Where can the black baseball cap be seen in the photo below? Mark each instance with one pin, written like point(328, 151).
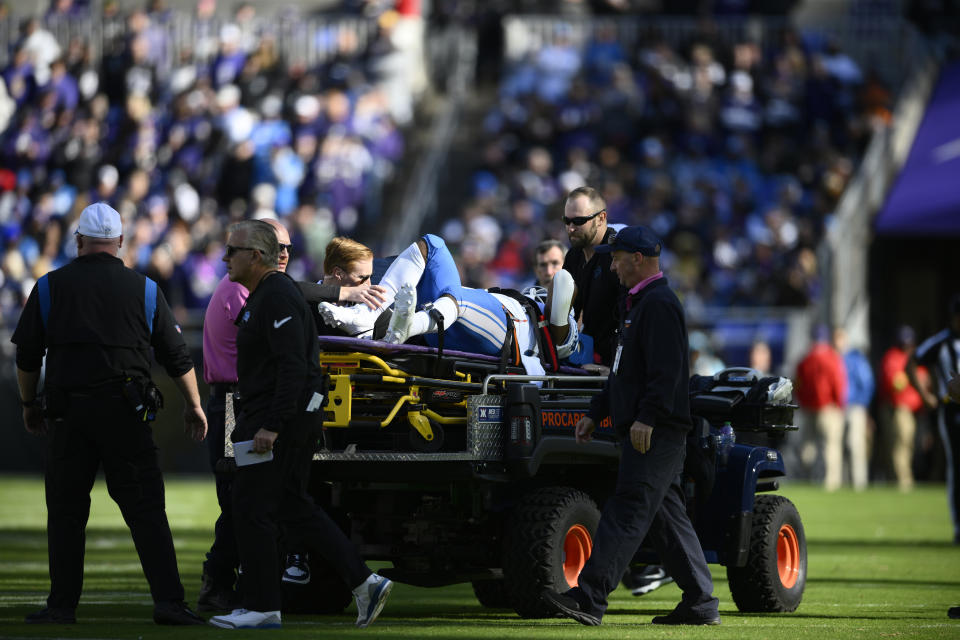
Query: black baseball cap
point(635, 239)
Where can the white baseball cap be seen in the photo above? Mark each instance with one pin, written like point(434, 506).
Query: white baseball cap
point(100, 220)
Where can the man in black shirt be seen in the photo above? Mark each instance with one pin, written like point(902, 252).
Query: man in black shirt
point(646, 397)
point(96, 321)
point(280, 412)
point(220, 372)
point(940, 353)
point(598, 290)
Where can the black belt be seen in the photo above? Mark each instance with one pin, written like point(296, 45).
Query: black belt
point(95, 394)
point(222, 388)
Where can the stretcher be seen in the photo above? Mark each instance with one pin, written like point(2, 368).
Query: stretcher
point(385, 400)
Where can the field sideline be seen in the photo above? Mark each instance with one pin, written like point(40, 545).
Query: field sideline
point(881, 565)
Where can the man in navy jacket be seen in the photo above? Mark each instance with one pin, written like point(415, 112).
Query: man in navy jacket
point(646, 397)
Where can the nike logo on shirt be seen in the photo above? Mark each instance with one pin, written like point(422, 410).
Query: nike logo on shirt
point(279, 323)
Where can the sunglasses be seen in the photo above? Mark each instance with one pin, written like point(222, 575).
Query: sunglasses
point(288, 247)
point(232, 250)
point(579, 221)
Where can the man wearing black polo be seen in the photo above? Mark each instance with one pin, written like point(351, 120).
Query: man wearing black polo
point(280, 413)
point(585, 217)
point(97, 321)
point(646, 397)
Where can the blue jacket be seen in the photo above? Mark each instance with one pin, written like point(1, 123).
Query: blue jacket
point(860, 383)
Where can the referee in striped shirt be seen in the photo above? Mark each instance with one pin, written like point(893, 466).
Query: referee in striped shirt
point(940, 353)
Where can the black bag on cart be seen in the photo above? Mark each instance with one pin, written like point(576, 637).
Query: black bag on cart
point(745, 398)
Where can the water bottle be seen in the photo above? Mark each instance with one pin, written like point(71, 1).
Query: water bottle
point(725, 442)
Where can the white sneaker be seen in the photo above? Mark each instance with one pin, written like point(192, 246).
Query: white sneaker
point(370, 598)
point(404, 306)
point(356, 320)
point(246, 619)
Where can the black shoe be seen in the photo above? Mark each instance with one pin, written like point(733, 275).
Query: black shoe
point(643, 580)
point(675, 617)
point(568, 606)
point(175, 613)
point(214, 597)
point(954, 612)
point(52, 615)
point(298, 569)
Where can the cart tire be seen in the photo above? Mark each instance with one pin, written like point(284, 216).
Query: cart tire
point(491, 593)
point(776, 570)
point(549, 537)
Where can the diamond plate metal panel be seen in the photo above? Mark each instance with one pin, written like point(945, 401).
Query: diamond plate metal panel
point(485, 427)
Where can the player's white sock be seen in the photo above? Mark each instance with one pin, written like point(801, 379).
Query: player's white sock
point(407, 267)
point(561, 297)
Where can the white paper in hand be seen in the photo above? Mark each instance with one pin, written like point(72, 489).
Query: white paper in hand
point(243, 452)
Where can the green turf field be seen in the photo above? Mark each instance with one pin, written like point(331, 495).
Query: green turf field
point(881, 565)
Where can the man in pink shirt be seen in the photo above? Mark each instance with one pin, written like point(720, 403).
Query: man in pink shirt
point(217, 592)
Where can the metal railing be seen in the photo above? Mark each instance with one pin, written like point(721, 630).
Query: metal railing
point(299, 39)
point(882, 43)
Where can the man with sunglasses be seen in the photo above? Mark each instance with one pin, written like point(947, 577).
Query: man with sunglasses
point(220, 373)
point(598, 290)
point(217, 590)
point(280, 387)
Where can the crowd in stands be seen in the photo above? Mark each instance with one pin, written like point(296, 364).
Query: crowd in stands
point(735, 153)
point(184, 133)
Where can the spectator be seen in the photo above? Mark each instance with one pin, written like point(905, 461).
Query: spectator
point(821, 392)
point(167, 135)
point(899, 403)
point(760, 357)
point(728, 133)
point(860, 388)
point(703, 361)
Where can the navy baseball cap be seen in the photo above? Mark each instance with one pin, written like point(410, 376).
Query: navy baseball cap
point(636, 239)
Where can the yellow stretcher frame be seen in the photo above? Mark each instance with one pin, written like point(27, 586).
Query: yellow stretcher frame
point(346, 370)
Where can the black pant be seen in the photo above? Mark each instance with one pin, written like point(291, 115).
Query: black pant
point(273, 494)
point(949, 422)
point(648, 499)
point(102, 429)
point(223, 559)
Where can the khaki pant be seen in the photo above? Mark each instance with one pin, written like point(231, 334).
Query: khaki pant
point(857, 445)
point(829, 424)
point(900, 427)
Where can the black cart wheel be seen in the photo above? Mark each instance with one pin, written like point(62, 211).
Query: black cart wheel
point(549, 537)
point(491, 593)
point(776, 570)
